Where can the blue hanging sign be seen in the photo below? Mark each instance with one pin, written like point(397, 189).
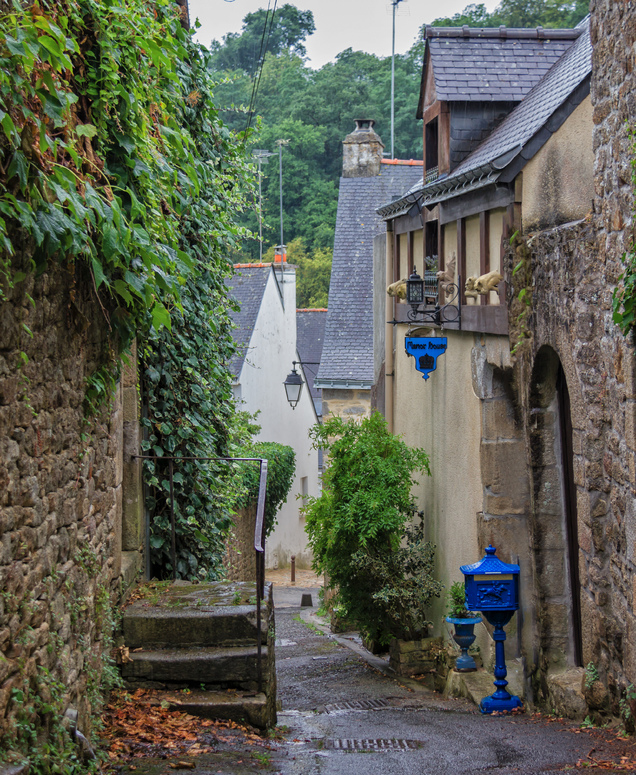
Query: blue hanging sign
point(426, 350)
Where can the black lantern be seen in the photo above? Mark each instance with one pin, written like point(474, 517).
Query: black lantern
point(415, 289)
point(293, 387)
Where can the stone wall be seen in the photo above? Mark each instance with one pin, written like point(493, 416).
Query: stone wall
point(346, 403)
point(240, 560)
point(60, 498)
point(572, 270)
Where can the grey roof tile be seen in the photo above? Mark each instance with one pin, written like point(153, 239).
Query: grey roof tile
point(525, 121)
point(535, 110)
point(310, 335)
point(488, 68)
point(348, 347)
point(246, 287)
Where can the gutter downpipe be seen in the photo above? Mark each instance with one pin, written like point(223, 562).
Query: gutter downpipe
point(389, 367)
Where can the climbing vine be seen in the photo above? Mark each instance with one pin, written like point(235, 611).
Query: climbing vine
point(624, 296)
point(97, 160)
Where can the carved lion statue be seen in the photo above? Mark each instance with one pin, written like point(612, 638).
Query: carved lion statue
point(469, 289)
point(488, 282)
point(397, 289)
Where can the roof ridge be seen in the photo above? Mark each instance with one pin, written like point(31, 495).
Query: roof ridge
point(311, 309)
point(256, 264)
point(502, 32)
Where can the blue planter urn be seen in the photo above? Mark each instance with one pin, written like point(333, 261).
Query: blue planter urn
point(464, 637)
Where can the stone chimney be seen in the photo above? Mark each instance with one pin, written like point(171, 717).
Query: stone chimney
point(362, 151)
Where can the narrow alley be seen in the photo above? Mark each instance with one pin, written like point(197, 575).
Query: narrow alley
point(342, 710)
point(337, 705)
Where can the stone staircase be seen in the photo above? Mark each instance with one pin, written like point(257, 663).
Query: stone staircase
point(196, 646)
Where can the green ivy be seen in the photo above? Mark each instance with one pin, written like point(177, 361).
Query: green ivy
point(624, 296)
point(97, 159)
point(281, 466)
point(188, 396)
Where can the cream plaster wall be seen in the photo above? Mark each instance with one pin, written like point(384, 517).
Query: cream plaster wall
point(442, 415)
point(495, 233)
point(269, 359)
point(404, 259)
point(558, 184)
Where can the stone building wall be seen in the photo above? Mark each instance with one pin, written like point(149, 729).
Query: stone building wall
point(614, 98)
point(60, 499)
point(570, 274)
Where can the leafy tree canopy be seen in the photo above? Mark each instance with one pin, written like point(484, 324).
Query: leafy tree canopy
point(520, 13)
point(285, 33)
point(315, 108)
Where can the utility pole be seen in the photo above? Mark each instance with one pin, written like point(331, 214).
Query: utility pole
point(395, 4)
point(280, 144)
point(259, 154)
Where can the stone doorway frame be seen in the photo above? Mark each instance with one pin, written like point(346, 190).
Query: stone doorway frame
point(554, 544)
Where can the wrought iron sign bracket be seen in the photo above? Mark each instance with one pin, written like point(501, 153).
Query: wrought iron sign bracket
point(451, 312)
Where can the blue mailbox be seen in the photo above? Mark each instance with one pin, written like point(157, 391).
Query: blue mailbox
point(492, 587)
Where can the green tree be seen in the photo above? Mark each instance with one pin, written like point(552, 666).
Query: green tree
point(355, 527)
point(520, 13)
point(313, 271)
point(262, 33)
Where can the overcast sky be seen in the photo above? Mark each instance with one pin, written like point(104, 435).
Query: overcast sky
point(363, 25)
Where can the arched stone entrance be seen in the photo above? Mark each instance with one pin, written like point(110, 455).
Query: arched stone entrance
point(553, 520)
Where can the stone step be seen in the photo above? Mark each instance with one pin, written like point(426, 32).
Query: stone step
point(187, 615)
point(201, 667)
point(247, 707)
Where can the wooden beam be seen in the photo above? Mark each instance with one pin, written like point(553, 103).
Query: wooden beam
point(461, 257)
point(396, 266)
point(443, 151)
point(440, 257)
point(484, 249)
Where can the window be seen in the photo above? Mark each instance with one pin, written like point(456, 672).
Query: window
point(431, 231)
point(431, 137)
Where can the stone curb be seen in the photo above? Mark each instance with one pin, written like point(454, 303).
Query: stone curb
point(310, 617)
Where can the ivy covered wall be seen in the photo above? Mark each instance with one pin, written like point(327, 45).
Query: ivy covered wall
point(119, 189)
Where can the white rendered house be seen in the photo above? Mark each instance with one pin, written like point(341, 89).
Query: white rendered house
point(266, 337)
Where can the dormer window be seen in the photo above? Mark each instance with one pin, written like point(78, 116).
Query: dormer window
point(431, 171)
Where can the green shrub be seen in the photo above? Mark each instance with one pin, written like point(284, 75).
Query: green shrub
point(281, 466)
point(356, 526)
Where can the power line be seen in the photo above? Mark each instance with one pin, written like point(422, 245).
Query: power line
point(261, 60)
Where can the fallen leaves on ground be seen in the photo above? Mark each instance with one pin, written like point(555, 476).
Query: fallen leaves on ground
point(612, 750)
point(136, 726)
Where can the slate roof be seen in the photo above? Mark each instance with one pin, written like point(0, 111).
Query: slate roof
point(247, 288)
point(489, 64)
point(347, 354)
point(521, 133)
point(310, 333)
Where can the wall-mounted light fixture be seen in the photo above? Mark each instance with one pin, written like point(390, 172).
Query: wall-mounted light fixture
point(294, 382)
point(415, 297)
point(293, 386)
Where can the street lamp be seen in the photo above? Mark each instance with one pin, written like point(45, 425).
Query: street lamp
point(415, 290)
point(293, 386)
point(294, 382)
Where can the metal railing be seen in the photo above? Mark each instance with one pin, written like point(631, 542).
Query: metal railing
point(431, 291)
point(431, 174)
point(259, 532)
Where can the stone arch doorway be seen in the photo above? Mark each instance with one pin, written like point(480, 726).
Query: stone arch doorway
point(554, 526)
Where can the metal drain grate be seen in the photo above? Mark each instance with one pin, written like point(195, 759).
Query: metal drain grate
point(372, 745)
point(357, 705)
